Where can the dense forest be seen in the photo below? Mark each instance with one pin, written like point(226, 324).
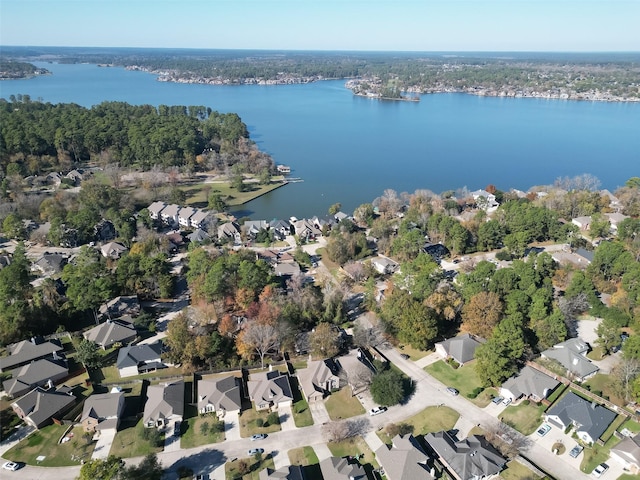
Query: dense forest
point(37, 136)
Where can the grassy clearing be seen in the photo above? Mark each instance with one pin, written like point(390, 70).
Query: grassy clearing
point(525, 417)
point(517, 471)
point(45, 442)
point(249, 423)
point(197, 193)
point(596, 354)
point(129, 442)
point(254, 465)
point(342, 405)
point(354, 447)
point(631, 425)
point(431, 419)
point(414, 353)
point(464, 379)
point(192, 435)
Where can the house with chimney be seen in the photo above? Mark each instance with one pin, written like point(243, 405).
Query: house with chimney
point(220, 395)
point(589, 419)
point(269, 390)
point(102, 412)
point(27, 351)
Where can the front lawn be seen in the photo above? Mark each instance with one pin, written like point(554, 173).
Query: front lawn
point(524, 417)
point(342, 404)
point(252, 466)
point(414, 353)
point(306, 457)
point(354, 447)
point(249, 420)
point(517, 471)
point(431, 419)
point(301, 414)
point(44, 442)
point(129, 441)
point(193, 434)
point(464, 379)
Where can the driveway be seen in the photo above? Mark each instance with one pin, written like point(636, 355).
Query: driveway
point(557, 435)
point(285, 415)
point(319, 412)
point(103, 446)
point(171, 441)
point(322, 451)
point(21, 432)
point(231, 426)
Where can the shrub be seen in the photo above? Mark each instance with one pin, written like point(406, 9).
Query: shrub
point(504, 256)
point(259, 423)
point(475, 392)
point(272, 419)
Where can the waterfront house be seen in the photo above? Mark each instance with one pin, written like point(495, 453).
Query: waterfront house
point(231, 231)
point(184, 216)
point(283, 169)
point(589, 419)
point(164, 405)
point(102, 412)
point(155, 209)
point(27, 351)
point(38, 407)
point(269, 390)
point(485, 200)
point(221, 395)
point(253, 227)
point(529, 383)
point(201, 219)
point(198, 236)
point(169, 214)
point(280, 228)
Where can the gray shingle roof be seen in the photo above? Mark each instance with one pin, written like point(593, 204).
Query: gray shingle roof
point(26, 351)
point(102, 406)
point(34, 374)
point(589, 417)
point(108, 333)
point(270, 387)
point(570, 355)
point(134, 355)
point(462, 348)
point(336, 468)
point(223, 393)
point(530, 382)
point(40, 405)
point(406, 459)
point(164, 401)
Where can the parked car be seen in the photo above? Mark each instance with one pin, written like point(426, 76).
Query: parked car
point(176, 429)
point(405, 356)
point(377, 411)
point(544, 429)
point(497, 400)
point(575, 451)
point(453, 391)
point(258, 436)
point(507, 401)
point(599, 470)
point(13, 466)
point(255, 451)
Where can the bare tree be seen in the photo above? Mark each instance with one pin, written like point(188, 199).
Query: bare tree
point(570, 308)
point(623, 375)
point(114, 173)
point(366, 337)
point(359, 377)
point(344, 429)
point(260, 338)
point(355, 270)
point(507, 440)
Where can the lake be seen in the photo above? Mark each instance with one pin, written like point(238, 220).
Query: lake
point(350, 149)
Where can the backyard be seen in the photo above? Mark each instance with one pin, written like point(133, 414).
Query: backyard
point(516, 471)
point(464, 379)
point(44, 442)
point(342, 405)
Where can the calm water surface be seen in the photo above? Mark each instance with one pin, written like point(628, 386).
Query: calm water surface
point(350, 149)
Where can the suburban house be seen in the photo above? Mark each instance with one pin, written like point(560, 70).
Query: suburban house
point(406, 459)
point(461, 348)
point(383, 265)
point(50, 263)
point(112, 250)
point(291, 472)
point(253, 227)
point(35, 374)
point(572, 355)
point(589, 419)
point(220, 395)
point(280, 228)
point(270, 390)
point(184, 216)
point(104, 231)
point(39, 406)
point(336, 468)
point(436, 250)
point(138, 359)
point(109, 333)
point(583, 223)
point(306, 230)
point(319, 379)
point(627, 453)
point(614, 219)
point(165, 404)
point(284, 169)
point(529, 383)
point(473, 458)
point(102, 412)
point(169, 214)
point(485, 200)
point(230, 230)
point(201, 219)
point(27, 351)
point(286, 269)
point(198, 236)
point(120, 306)
point(155, 208)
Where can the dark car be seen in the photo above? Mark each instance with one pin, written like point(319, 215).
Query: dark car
point(405, 356)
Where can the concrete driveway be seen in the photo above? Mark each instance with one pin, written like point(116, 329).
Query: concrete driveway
point(285, 416)
point(557, 435)
point(231, 426)
point(319, 412)
point(103, 446)
point(171, 441)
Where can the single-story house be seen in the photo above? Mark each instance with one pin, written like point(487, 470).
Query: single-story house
point(436, 250)
point(35, 374)
point(102, 411)
point(138, 359)
point(571, 354)
point(109, 333)
point(39, 406)
point(383, 265)
point(112, 250)
point(473, 458)
point(50, 263)
point(319, 379)
point(614, 219)
point(286, 269)
point(120, 306)
point(336, 468)
point(165, 404)
point(291, 472)
point(155, 209)
point(589, 419)
point(405, 460)
point(529, 383)
point(27, 351)
point(220, 395)
point(461, 348)
point(270, 390)
point(583, 223)
point(627, 453)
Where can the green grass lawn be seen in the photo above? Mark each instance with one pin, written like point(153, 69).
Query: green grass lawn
point(192, 434)
point(129, 442)
point(628, 476)
point(248, 425)
point(196, 193)
point(524, 417)
point(464, 379)
point(342, 405)
point(301, 414)
point(431, 419)
point(414, 353)
point(517, 471)
point(631, 425)
point(354, 447)
point(255, 466)
point(45, 442)
point(110, 374)
point(600, 384)
point(303, 456)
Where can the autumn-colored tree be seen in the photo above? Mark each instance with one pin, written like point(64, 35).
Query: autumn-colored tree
point(244, 297)
point(446, 302)
point(258, 338)
point(481, 314)
point(324, 341)
point(181, 343)
point(227, 326)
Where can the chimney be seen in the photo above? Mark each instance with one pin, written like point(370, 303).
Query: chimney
point(593, 405)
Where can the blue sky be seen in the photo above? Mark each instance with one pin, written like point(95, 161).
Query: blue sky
point(415, 25)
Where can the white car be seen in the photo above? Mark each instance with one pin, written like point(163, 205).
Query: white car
point(11, 466)
point(599, 470)
point(377, 411)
